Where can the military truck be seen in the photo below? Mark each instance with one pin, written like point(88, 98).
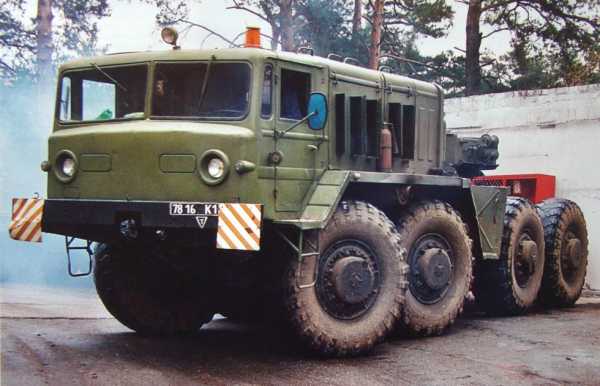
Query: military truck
point(257, 184)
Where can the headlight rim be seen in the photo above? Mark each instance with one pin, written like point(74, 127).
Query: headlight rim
point(208, 156)
point(58, 165)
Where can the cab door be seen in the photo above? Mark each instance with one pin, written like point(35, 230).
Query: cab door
point(304, 151)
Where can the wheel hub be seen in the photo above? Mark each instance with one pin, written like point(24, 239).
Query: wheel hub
point(431, 268)
point(529, 254)
point(434, 268)
point(525, 260)
point(353, 279)
point(573, 253)
point(348, 279)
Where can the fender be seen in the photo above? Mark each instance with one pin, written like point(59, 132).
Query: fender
point(322, 199)
point(482, 207)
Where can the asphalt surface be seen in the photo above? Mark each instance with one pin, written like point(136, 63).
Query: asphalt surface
point(56, 337)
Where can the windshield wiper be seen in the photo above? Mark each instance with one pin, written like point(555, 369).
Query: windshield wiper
point(205, 83)
point(116, 82)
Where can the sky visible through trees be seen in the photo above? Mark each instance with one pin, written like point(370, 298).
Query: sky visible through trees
point(549, 43)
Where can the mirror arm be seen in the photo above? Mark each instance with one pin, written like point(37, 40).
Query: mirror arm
point(280, 134)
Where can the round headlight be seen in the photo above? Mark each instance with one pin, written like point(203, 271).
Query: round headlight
point(213, 167)
point(216, 168)
point(68, 167)
point(65, 166)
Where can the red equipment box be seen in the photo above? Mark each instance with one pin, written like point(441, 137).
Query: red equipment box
point(535, 187)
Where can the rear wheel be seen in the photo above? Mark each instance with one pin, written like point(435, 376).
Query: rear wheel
point(509, 285)
point(146, 293)
point(359, 283)
point(566, 238)
point(440, 260)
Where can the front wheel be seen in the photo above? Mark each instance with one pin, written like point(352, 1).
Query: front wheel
point(359, 283)
point(146, 293)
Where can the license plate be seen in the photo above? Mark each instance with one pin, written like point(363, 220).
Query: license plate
point(193, 209)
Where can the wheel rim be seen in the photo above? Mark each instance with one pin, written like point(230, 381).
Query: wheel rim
point(431, 268)
point(526, 259)
point(348, 279)
point(571, 256)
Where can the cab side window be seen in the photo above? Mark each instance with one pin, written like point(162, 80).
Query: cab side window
point(295, 91)
point(267, 93)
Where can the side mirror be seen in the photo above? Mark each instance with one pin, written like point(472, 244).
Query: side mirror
point(317, 111)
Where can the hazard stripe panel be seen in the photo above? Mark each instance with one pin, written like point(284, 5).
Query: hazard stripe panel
point(26, 223)
point(239, 226)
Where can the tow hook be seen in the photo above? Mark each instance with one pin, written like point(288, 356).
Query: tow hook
point(129, 229)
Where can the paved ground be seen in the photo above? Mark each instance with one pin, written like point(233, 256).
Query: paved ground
point(63, 338)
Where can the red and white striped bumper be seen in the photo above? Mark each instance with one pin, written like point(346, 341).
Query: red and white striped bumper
point(26, 222)
point(237, 226)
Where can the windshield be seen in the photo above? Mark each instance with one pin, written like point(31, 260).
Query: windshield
point(102, 93)
point(201, 90)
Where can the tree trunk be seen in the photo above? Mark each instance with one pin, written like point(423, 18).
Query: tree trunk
point(43, 31)
point(276, 34)
point(375, 49)
point(287, 28)
point(357, 18)
point(472, 65)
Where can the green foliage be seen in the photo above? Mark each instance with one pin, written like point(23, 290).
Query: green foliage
point(74, 32)
point(170, 11)
point(553, 41)
point(78, 31)
point(322, 24)
point(420, 17)
point(17, 41)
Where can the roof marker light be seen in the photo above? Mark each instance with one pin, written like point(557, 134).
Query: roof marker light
point(252, 37)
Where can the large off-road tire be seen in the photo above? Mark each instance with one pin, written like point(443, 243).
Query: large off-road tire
point(510, 285)
point(566, 237)
point(148, 295)
point(360, 283)
point(440, 260)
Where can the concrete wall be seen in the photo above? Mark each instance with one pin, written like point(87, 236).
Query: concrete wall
point(553, 131)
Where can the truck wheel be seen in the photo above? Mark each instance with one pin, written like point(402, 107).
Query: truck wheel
point(565, 233)
point(359, 283)
point(440, 261)
point(510, 285)
point(146, 294)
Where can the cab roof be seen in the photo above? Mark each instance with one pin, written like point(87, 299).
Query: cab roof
point(251, 55)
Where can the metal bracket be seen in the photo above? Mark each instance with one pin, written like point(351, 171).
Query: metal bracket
point(70, 247)
point(301, 254)
point(304, 50)
point(351, 60)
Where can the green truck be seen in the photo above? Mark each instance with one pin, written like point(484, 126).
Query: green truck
point(285, 186)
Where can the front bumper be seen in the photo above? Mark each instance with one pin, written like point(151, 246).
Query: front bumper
point(225, 225)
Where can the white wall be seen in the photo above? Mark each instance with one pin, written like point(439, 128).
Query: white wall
point(553, 131)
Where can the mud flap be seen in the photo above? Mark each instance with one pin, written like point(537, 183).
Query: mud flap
point(489, 203)
point(26, 221)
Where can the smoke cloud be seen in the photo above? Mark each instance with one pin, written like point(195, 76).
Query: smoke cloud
point(26, 110)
